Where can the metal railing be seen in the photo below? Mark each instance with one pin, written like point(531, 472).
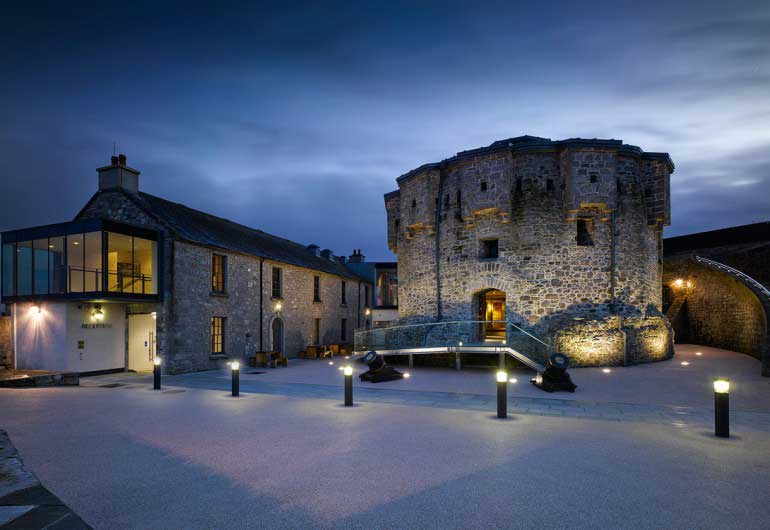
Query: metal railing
point(468, 335)
point(735, 272)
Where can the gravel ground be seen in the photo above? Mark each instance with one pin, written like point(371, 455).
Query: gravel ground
point(129, 457)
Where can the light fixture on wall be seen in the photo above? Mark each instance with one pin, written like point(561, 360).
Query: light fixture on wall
point(97, 314)
point(368, 312)
point(678, 282)
point(278, 307)
point(35, 310)
point(154, 315)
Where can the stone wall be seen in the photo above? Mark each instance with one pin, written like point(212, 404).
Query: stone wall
point(714, 309)
point(6, 360)
point(530, 201)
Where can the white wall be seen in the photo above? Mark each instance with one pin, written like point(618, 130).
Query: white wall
point(49, 340)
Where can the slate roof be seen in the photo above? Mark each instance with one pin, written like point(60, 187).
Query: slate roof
point(205, 229)
point(736, 235)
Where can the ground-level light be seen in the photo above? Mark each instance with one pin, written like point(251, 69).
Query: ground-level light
point(685, 363)
point(156, 373)
point(698, 353)
point(407, 375)
point(722, 407)
point(235, 367)
point(606, 370)
point(348, 374)
point(502, 394)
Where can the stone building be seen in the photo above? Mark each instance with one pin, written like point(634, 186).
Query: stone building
point(135, 276)
point(560, 238)
point(716, 289)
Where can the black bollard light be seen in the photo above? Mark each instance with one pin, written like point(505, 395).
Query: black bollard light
point(502, 394)
point(348, 371)
point(722, 407)
point(236, 369)
point(156, 373)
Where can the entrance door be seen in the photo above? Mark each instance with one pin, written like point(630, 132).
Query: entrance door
point(141, 342)
point(492, 313)
point(278, 335)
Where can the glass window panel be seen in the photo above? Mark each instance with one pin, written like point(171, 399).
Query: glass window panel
point(119, 263)
point(75, 263)
point(93, 262)
point(57, 275)
point(145, 266)
point(9, 255)
point(40, 275)
point(24, 268)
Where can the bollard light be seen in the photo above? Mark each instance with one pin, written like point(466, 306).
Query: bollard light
point(348, 373)
point(722, 407)
point(236, 371)
point(156, 373)
point(502, 394)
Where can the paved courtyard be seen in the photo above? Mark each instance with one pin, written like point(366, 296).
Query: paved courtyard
point(630, 449)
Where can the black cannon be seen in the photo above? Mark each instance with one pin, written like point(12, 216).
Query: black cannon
point(379, 372)
point(555, 376)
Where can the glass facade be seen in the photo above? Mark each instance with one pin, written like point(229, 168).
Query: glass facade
point(59, 259)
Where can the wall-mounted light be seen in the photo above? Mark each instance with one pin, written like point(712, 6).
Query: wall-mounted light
point(278, 307)
point(35, 310)
point(678, 282)
point(97, 313)
point(368, 312)
point(154, 315)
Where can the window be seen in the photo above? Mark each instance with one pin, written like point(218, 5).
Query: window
point(549, 184)
point(24, 268)
point(316, 331)
point(131, 264)
point(277, 281)
point(585, 235)
point(344, 298)
point(594, 178)
point(218, 335)
point(316, 288)
point(414, 203)
point(344, 329)
point(40, 268)
point(218, 273)
point(9, 255)
point(367, 303)
point(518, 185)
point(483, 186)
point(488, 249)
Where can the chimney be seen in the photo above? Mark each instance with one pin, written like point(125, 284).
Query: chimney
point(357, 257)
point(118, 175)
point(315, 249)
point(328, 254)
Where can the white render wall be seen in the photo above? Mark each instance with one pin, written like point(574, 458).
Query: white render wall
point(49, 340)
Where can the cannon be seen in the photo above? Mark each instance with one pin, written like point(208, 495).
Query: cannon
point(379, 371)
point(555, 376)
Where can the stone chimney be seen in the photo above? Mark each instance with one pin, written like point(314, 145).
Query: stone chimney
point(357, 256)
point(118, 175)
point(315, 249)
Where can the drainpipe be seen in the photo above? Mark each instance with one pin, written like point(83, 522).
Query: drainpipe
point(613, 260)
point(261, 323)
point(358, 308)
point(437, 225)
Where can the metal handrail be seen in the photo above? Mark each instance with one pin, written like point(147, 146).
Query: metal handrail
point(448, 322)
point(761, 288)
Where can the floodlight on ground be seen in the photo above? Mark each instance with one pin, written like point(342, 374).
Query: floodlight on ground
point(513, 380)
point(236, 373)
point(722, 407)
point(407, 375)
point(698, 353)
point(502, 394)
point(606, 370)
point(156, 373)
point(348, 374)
point(460, 344)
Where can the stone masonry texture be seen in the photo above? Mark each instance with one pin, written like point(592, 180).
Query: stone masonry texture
point(5, 342)
point(183, 324)
point(599, 304)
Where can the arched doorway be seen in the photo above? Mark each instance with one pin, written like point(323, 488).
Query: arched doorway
point(277, 335)
point(491, 313)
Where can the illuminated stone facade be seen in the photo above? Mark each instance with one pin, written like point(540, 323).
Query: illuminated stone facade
point(569, 230)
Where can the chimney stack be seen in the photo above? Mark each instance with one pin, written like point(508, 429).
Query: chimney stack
point(118, 175)
point(357, 256)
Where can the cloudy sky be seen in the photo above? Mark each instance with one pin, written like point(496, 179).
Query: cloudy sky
point(296, 117)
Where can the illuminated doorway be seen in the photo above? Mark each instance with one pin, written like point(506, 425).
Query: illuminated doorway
point(491, 313)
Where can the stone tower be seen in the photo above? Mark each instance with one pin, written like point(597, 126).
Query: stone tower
point(561, 238)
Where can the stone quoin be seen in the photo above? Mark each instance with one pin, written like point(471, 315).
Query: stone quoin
point(561, 238)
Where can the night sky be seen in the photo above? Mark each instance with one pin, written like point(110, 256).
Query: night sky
point(296, 118)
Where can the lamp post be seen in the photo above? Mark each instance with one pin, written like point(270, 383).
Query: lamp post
point(502, 394)
point(236, 371)
point(722, 407)
point(348, 372)
point(156, 373)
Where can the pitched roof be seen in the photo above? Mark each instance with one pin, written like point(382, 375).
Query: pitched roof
point(206, 229)
point(736, 235)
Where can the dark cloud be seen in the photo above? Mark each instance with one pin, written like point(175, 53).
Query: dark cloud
point(295, 117)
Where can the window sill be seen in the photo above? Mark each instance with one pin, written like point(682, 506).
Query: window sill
point(217, 356)
point(277, 298)
point(219, 295)
point(317, 302)
point(489, 259)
